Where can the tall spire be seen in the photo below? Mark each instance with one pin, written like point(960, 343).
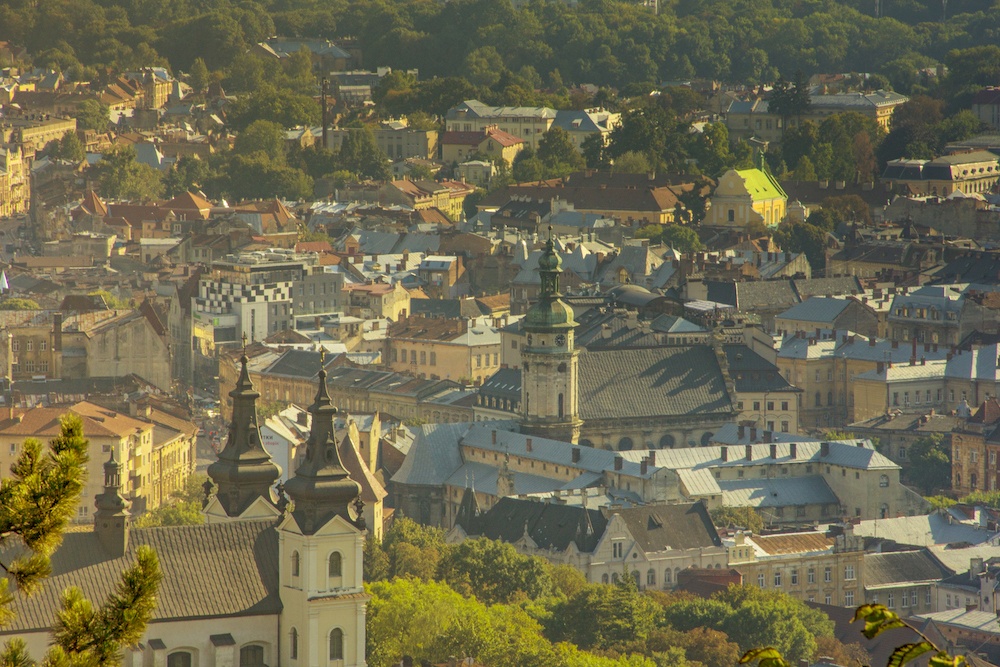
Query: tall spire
point(550, 266)
point(111, 520)
point(244, 471)
point(322, 487)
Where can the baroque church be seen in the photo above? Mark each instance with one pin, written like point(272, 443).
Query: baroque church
point(269, 578)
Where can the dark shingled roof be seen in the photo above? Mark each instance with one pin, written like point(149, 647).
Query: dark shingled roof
point(752, 372)
point(220, 569)
point(549, 525)
point(662, 527)
point(645, 382)
point(749, 296)
point(900, 567)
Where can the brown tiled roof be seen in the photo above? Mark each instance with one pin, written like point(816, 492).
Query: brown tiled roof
point(189, 201)
point(793, 543)
point(313, 246)
point(44, 423)
point(463, 138)
point(427, 328)
point(212, 570)
point(504, 138)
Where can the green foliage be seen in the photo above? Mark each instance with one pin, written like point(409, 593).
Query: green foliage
point(986, 498)
point(281, 106)
point(681, 238)
point(198, 77)
point(121, 176)
point(360, 154)
point(494, 572)
point(68, 148)
point(92, 115)
point(745, 517)
point(558, 154)
point(268, 409)
point(944, 502)
point(430, 621)
point(114, 302)
point(752, 617)
point(188, 173)
point(633, 162)
point(262, 137)
point(18, 303)
point(85, 635)
point(803, 237)
point(172, 514)
point(838, 435)
point(600, 616)
point(930, 464)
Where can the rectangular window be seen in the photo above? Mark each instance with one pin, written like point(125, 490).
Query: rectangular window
point(784, 406)
point(423, 357)
point(827, 574)
point(794, 575)
point(927, 597)
point(756, 406)
point(849, 599)
point(43, 345)
point(15, 345)
point(811, 576)
point(760, 581)
point(891, 600)
point(29, 345)
point(479, 361)
point(777, 578)
point(784, 427)
point(827, 599)
point(496, 358)
point(434, 359)
point(617, 549)
point(395, 354)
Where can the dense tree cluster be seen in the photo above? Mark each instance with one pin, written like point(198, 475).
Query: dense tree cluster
point(483, 599)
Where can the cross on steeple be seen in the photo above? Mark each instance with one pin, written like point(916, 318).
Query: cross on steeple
point(244, 343)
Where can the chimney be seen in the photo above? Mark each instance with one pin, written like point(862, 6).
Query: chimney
point(576, 454)
point(824, 449)
point(742, 431)
point(643, 467)
point(871, 342)
point(494, 437)
point(774, 451)
point(768, 436)
point(792, 447)
point(652, 457)
point(302, 418)
point(724, 453)
point(618, 462)
point(975, 568)
point(749, 452)
point(527, 444)
point(57, 322)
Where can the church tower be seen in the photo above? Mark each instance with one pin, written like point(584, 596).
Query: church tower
point(549, 405)
point(111, 520)
point(321, 546)
point(244, 473)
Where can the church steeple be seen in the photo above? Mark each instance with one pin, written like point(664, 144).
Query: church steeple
point(111, 520)
point(549, 359)
point(321, 487)
point(244, 471)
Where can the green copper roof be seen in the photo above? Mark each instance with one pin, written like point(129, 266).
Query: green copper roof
point(761, 185)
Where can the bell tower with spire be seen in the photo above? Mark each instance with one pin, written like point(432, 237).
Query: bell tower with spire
point(549, 404)
point(244, 473)
point(111, 520)
point(320, 548)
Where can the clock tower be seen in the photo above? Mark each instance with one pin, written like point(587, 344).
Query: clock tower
point(549, 406)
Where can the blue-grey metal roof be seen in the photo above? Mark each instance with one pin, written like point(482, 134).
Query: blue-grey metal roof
point(816, 309)
point(780, 492)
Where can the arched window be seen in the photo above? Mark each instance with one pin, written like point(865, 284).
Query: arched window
point(819, 399)
point(883, 481)
point(972, 482)
point(651, 577)
point(614, 577)
point(179, 659)
point(706, 438)
point(335, 566)
point(562, 367)
point(252, 656)
point(336, 644)
point(666, 576)
point(625, 444)
point(667, 441)
point(732, 215)
point(293, 644)
point(295, 563)
point(884, 511)
point(604, 578)
point(560, 405)
point(586, 443)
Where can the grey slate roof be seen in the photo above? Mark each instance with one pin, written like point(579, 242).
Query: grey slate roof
point(434, 455)
point(662, 527)
point(809, 287)
point(646, 382)
point(752, 372)
point(901, 567)
point(211, 570)
point(484, 477)
point(549, 525)
point(816, 309)
point(781, 492)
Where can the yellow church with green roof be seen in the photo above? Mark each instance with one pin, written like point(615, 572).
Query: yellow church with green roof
point(744, 196)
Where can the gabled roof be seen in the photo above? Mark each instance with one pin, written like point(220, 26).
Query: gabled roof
point(665, 527)
point(549, 525)
point(645, 382)
point(211, 570)
point(761, 185)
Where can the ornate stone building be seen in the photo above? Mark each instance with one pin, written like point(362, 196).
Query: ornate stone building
point(267, 580)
